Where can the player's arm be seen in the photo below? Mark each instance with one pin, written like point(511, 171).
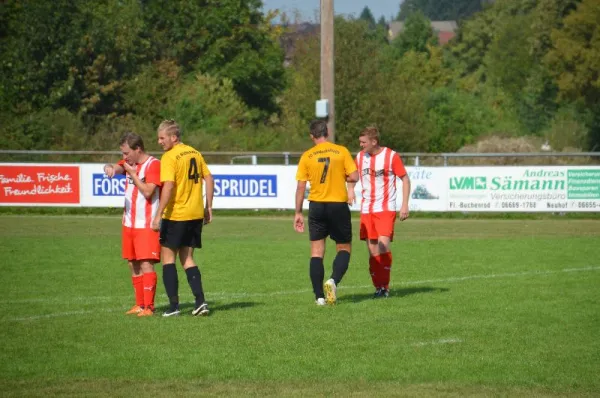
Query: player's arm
point(167, 178)
point(300, 192)
point(165, 197)
point(400, 171)
point(298, 218)
point(209, 183)
point(112, 170)
point(351, 178)
point(146, 188)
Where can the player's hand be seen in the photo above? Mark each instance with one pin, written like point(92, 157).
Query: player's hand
point(109, 170)
point(403, 215)
point(155, 225)
point(207, 215)
point(299, 222)
point(131, 170)
point(351, 197)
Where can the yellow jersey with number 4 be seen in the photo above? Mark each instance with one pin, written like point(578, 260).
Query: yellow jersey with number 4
point(326, 166)
point(186, 167)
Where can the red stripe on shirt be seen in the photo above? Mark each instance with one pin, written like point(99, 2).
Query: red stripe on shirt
point(360, 175)
point(372, 180)
point(387, 165)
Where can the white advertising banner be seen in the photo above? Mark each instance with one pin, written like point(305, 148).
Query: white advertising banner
point(463, 189)
point(236, 187)
point(524, 189)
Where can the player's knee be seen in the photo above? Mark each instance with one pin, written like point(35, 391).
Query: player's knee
point(344, 246)
point(147, 266)
point(383, 247)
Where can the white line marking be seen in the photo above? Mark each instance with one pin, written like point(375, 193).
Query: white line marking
point(421, 282)
point(292, 292)
point(69, 313)
point(437, 342)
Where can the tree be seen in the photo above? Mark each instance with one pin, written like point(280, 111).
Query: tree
point(224, 38)
point(367, 16)
point(440, 10)
point(574, 62)
point(416, 35)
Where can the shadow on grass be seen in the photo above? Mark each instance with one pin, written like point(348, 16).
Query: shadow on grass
point(355, 298)
point(188, 307)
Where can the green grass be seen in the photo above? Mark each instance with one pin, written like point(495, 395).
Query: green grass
point(478, 307)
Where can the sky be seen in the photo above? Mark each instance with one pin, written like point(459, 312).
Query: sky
point(310, 8)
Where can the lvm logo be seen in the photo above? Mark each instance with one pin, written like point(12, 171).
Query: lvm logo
point(468, 183)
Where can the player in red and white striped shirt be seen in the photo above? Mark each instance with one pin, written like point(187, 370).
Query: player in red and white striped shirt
point(141, 245)
point(379, 168)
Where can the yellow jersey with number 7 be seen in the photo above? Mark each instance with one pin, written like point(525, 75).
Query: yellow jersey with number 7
point(186, 167)
point(326, 166)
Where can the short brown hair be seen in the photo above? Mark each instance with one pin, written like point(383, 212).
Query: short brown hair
point(171, 127)
point(370, 132)
point(318, 129)
point(133, 140)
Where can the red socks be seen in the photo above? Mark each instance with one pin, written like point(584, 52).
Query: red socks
point(138, 288)
point(149, 283)
point(380, 268)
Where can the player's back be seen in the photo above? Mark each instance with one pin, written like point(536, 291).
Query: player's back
point(189, 169)
point(326, 166)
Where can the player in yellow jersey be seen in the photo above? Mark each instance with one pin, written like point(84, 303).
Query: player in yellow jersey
point(328, 167)
point(183, 173)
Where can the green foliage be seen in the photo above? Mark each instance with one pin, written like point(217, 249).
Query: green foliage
point(567, 130)
point(575, 57)
point(227, 38)
point(70, 54)
point(417, 35)
point(456, 119)
point(439, 10)
point(207, 107)
point(45, 129)
point(76, 74)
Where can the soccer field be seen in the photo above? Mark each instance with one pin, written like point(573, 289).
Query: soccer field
point(477, 307)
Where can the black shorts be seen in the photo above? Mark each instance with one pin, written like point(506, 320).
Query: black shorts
point(176, 234)
point(329, 219)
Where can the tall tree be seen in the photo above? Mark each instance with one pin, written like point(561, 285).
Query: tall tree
point(367, 16)
point(574, 61)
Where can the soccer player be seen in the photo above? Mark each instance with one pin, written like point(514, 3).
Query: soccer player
point(327, 167)
point(182, 173)
point(140, 245)
point(379, 167)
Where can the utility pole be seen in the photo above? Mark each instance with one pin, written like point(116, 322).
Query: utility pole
point(327, 64)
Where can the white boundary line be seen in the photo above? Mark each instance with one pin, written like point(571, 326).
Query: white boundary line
point(437, 342)
point(288, 292)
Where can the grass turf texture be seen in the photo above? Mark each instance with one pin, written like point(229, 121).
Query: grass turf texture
point(477, 307)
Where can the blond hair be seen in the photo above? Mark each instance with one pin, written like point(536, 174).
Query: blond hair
point(171, 127)
point(370, 132)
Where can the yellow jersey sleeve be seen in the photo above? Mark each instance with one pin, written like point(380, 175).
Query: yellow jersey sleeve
point(349, 163)
point(302, 172)
point(203, 166)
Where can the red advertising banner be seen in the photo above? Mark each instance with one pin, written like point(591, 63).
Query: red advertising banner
point(39, 184)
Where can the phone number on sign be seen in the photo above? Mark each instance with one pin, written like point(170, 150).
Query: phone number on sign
point(518, 205)
point(588, 205)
